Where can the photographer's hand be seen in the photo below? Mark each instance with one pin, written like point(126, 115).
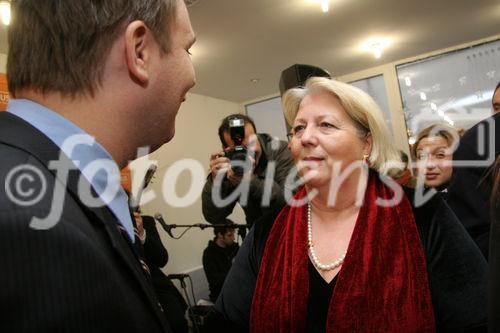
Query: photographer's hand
point(235, 180)
point(218, 163)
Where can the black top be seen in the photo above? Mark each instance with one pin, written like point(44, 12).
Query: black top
point(470, 187)
point(320, 294)
point(156, 257)
point(155, 254)
point(457, 271)
point(217, 262)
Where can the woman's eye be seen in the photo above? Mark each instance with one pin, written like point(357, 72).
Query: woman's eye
point(327, 125)
point(440, 155)
point(298, 128)
point(421, 157)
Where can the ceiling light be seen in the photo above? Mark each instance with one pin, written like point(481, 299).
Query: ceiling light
point(376, 46)
point(5, 12)
point(255, 80)
point(412, 140)
point(324, 5)
point(423, 96)
point(448, 120)
point(434, 106)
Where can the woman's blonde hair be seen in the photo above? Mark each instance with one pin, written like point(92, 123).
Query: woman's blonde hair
point(441, 130)
point(361, 108)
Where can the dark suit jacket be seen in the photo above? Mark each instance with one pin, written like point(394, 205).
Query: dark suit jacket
point(470, 187)
point(81, 275)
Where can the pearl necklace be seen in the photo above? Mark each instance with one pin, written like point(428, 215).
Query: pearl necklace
point(312, 253)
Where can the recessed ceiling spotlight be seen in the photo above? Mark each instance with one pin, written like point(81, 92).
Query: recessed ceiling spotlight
point(5, 12)
point(324, 5)
point(255, 80)
point(376, 46)
point(408, 81)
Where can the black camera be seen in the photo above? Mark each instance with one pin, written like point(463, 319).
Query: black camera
point(239, 153)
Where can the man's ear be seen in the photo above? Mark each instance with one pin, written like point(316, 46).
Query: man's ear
point(138, 42)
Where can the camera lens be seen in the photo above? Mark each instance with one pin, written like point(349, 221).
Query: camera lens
point(239, 163)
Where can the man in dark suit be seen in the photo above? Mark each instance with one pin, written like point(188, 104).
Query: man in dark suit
point(469, 191)
point(156, 256)
point(91, 81)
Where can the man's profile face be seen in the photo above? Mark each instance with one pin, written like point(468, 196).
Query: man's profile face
point(228, 238)
point(496, 101)
point(250, 141)
point(174, 76)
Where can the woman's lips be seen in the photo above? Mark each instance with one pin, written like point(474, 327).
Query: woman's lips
point(312, 158)
point(311, 162)
point(431, 176)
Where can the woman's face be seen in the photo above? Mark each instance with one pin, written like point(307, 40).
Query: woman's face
point(324, 138)
point(434, 161)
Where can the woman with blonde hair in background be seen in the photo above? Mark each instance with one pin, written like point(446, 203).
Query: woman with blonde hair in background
point(433, 151)
point(350, 252)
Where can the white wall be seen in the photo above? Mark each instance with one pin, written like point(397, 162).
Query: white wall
point(3, 63)
point(196, 138)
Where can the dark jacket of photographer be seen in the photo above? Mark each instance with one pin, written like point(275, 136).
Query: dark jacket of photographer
point(253, 209)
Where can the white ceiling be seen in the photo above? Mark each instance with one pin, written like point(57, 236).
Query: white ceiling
point(238, 40)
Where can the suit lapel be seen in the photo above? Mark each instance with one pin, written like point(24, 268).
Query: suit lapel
point(17, 133)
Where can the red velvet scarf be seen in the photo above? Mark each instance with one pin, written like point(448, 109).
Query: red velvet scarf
point(382, 286)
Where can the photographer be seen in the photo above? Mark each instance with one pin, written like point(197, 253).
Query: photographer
point(238, 172)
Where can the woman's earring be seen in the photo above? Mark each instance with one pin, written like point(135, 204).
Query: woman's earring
point(365, 158)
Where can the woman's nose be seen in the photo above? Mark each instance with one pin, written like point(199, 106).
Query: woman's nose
point(309, 136)
point(430, 163)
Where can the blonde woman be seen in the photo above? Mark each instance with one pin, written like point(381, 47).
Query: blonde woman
point(433, 151)
point(350, 252)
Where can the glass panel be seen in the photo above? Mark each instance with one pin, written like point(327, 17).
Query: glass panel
point(268, 117)
point(454, 88)
point(375, 87)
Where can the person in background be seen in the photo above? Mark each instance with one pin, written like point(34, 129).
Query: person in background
point(264, 151)
point(495, 101)
point(469, 192)
point(395, 267)
point(90, 83)
point(218, 258)
point(494, 323)
point(406, 178)
point(156, 257)
point(433, 151)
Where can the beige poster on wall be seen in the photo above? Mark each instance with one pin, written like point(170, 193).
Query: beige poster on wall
point(4, 92)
